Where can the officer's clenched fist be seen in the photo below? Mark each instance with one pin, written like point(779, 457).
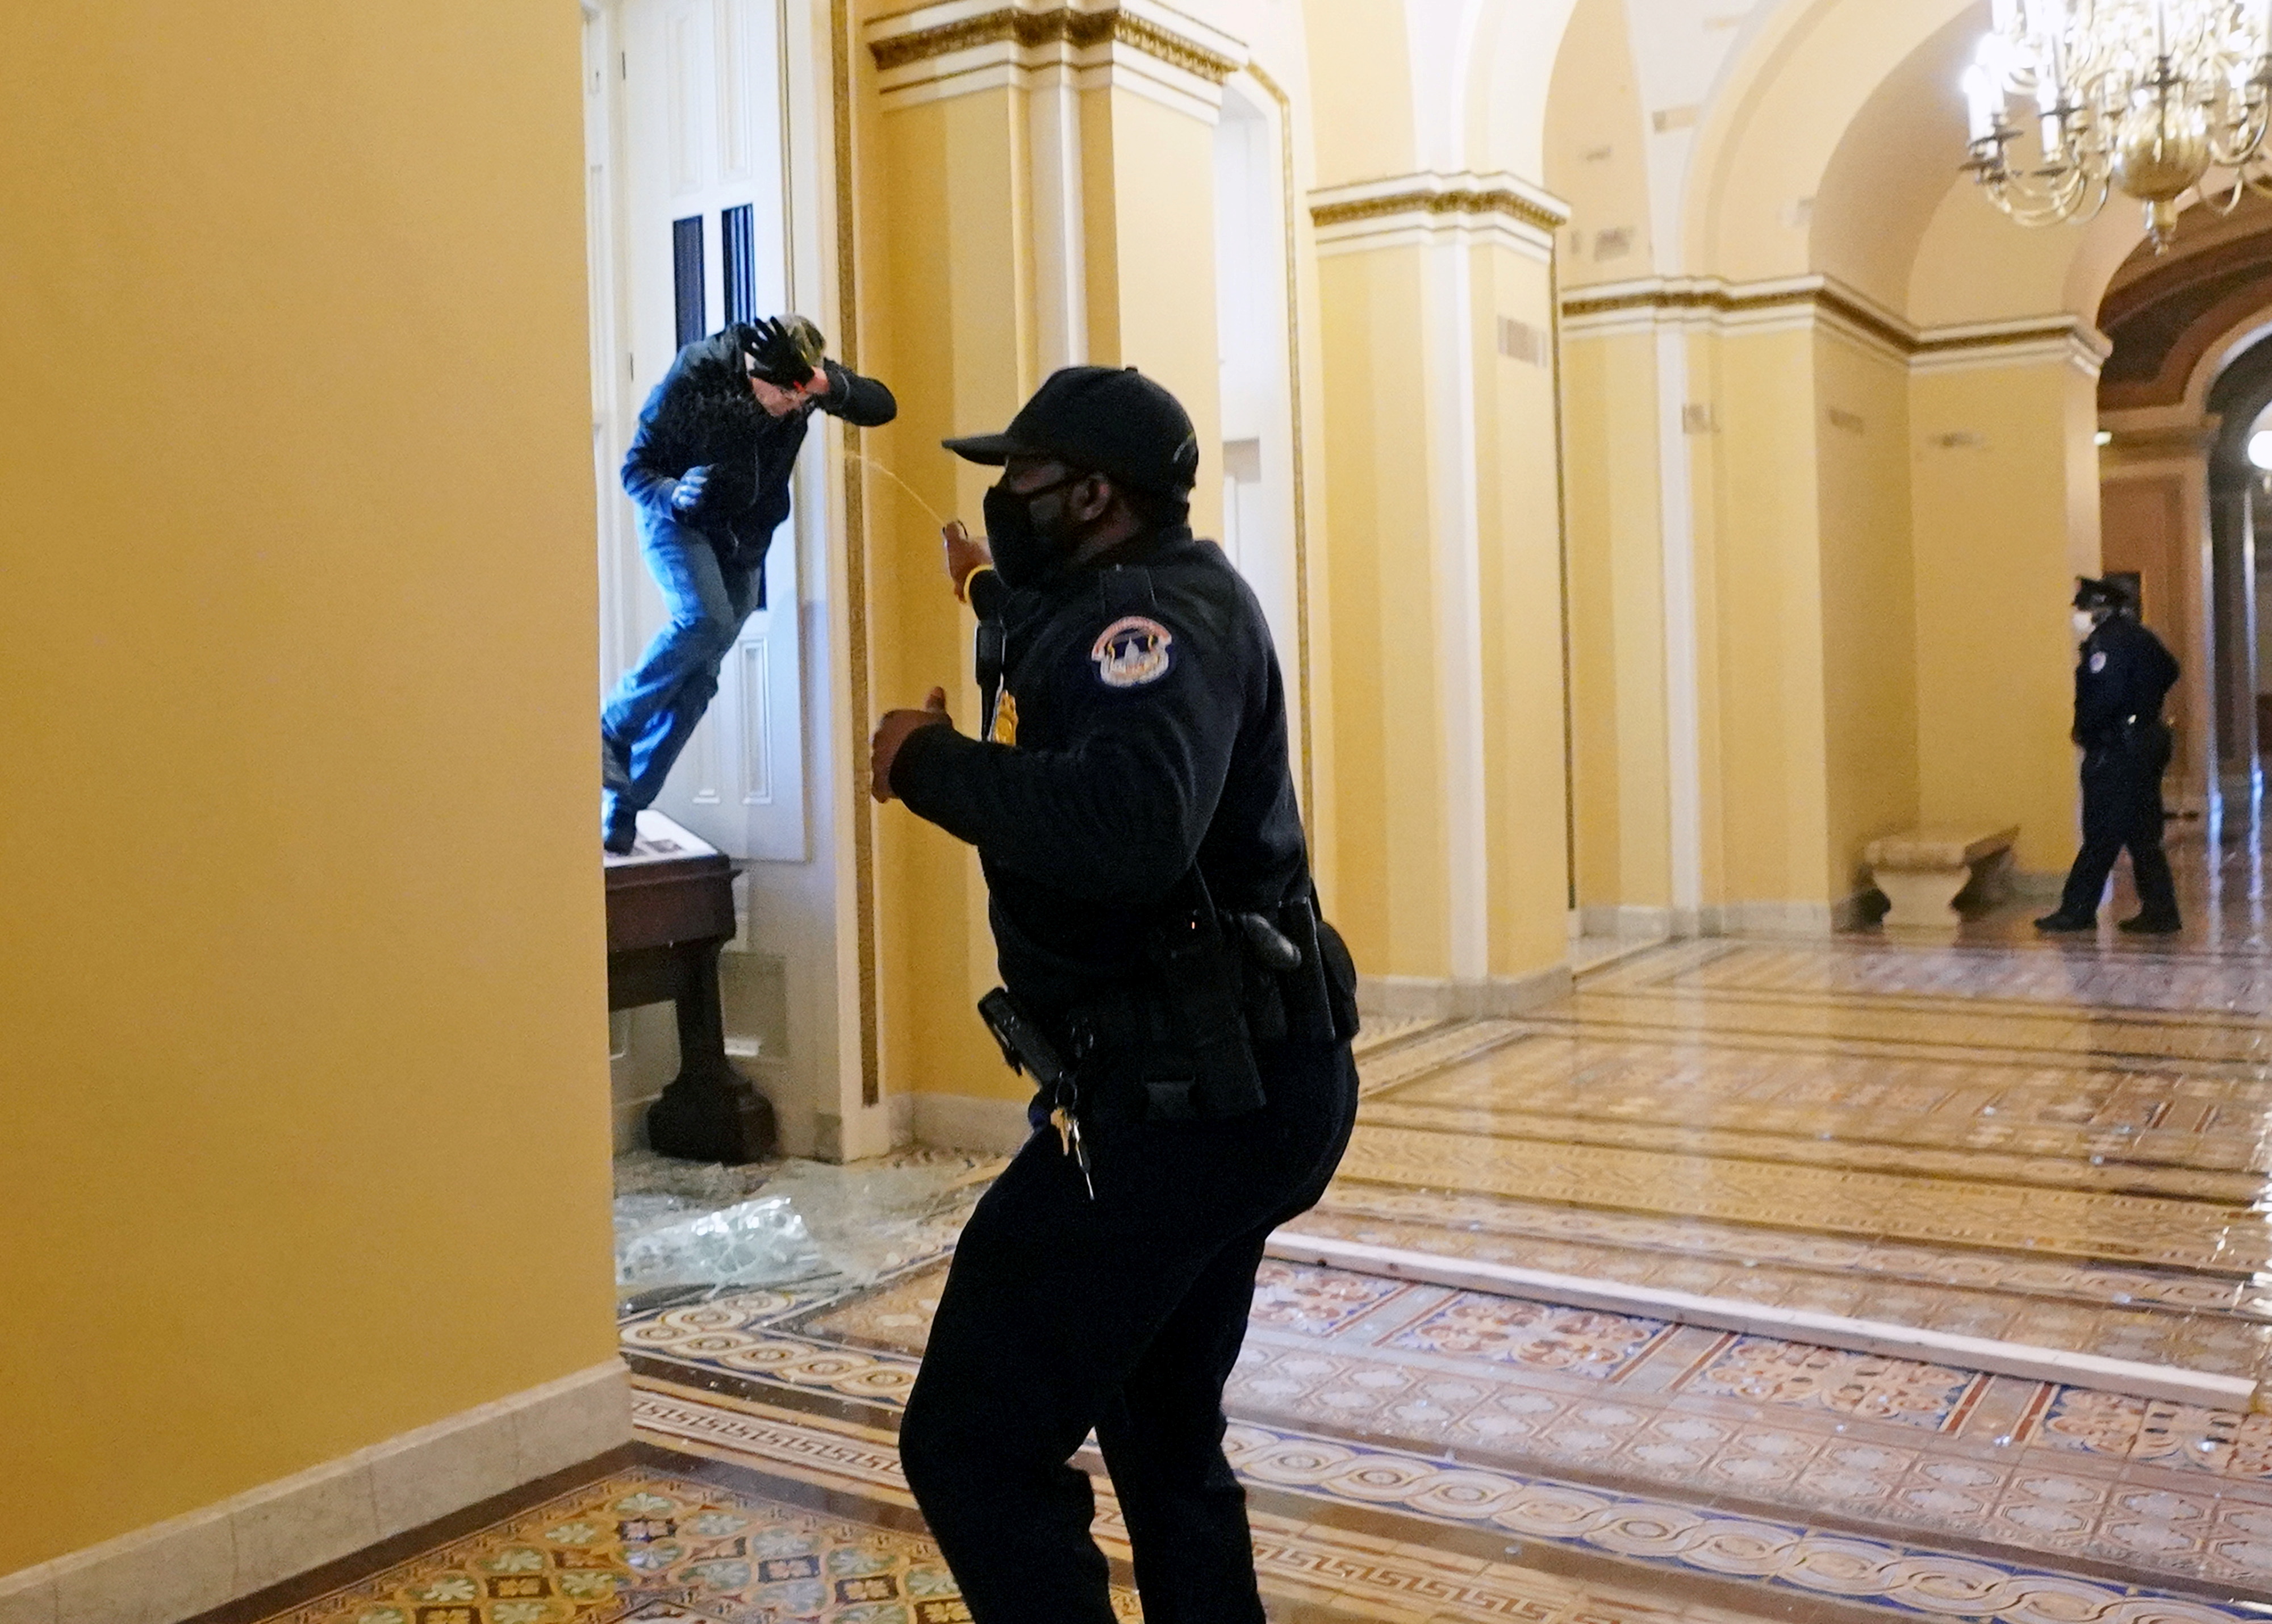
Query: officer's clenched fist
point(893, 731)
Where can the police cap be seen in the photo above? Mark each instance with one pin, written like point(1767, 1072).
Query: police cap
point(1108, 420)
point(2090, 593)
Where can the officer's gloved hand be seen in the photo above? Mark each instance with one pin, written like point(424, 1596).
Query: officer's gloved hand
point(693, 491)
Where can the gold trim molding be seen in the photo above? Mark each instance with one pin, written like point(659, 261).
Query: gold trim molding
point(2072, 339)
point(1461, 201)
point(1063, 26)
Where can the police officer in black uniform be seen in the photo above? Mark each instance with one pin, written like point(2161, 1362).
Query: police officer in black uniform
point(2123, 677)
point(1171, 990)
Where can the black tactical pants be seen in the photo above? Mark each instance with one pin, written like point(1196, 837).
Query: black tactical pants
point(1124, 1314)
point(2122, 808)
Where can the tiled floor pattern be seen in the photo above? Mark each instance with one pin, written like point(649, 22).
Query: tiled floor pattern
point(1412, 1512)
point(2146, 1316)
point(2077, 1167)
point(2005, 1140)
point(1361, 1558)
point(2225, 1240)
point(1522, 1387)
point(652, 1546)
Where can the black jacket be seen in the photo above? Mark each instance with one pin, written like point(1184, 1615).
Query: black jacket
point(1150, 728)
point(702, 413)
point(2124, 672)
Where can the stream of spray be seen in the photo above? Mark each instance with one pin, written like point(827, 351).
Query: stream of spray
point(867, 461)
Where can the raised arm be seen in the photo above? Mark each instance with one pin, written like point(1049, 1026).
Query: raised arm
point(1118, 811)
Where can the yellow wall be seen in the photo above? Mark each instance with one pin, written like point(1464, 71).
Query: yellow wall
point(308, 1120)
point(947, 232)
point(1623, 822)
point(1999, 539)
point(1390, 769)
point(1151, 262)
point(1869, 708)
point(1596, 148)
point(1767, 558)
point(1360, 75)
point(1519, 509)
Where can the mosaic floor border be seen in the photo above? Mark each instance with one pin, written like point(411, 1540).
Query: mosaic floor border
point(2125, 1228)
point(2066, 1493)
point(2184, 1321)
point(1650, 1535)
point(2183, 987)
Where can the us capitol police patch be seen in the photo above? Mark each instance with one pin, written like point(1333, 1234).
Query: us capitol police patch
point(1132, 651)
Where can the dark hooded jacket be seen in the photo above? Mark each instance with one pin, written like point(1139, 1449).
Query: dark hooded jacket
point(703, 414)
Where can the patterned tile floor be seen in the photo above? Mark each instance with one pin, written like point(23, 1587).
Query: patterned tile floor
point(2065, 1146)
point(2059, 1146)
point(1500, 1386)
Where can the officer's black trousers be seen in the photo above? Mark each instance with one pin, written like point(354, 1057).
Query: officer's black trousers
point(2122, 807)
point(1125, 1314)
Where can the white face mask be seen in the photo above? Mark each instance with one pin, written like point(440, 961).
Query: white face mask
point(2084, 622)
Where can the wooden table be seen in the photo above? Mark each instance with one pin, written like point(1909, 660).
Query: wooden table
point(671, 909)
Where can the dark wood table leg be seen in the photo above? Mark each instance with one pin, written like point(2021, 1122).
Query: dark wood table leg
point(710, 1113)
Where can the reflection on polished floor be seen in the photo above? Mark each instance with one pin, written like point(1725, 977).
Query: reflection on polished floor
point(1755, 1279)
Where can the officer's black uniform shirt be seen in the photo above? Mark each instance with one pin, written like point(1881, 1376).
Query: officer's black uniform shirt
point(2124, 671)
point(703, 414)
point(1150, 727)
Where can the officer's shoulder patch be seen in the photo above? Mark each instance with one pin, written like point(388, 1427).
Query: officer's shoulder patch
point(2098, 661)
point(1132, 651)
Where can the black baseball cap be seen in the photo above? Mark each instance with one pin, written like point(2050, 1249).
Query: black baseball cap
point(2094, 594)
point(1111, 420)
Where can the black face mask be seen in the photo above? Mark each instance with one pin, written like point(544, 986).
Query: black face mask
point(1024, 552)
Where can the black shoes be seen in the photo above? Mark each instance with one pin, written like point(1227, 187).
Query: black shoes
point(620, 833)
point(2152, 925)
point(2144, 924)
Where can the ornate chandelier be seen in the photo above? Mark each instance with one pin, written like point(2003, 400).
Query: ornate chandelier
point(2148, 97)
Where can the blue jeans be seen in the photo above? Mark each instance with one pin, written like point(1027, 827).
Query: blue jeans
point(654, 710)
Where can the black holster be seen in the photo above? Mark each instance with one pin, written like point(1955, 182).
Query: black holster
point(1180, 1044)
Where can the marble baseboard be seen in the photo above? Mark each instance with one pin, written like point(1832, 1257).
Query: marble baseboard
point(1423, 998)
point(1626, 921)
point(244, 1544)
point(961, 1122)
point(631, 1123)
point(1784, 919)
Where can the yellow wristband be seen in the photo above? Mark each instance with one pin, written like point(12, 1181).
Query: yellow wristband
point(963, 587)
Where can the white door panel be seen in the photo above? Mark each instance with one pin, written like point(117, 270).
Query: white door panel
point(700, 139)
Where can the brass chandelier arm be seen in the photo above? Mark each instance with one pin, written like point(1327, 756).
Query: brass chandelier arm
point(2147, 97)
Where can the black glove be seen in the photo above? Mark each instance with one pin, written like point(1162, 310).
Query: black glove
point(691, 495)
point(783, 350)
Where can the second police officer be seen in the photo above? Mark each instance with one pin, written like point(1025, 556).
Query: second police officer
point(1170, 987)
point(2122, 677)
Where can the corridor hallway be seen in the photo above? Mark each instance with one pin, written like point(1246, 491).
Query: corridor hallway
point(1754, 1279)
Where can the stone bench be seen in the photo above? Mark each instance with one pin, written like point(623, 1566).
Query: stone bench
point(1923, 871)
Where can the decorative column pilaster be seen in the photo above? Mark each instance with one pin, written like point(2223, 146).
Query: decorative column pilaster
point(1446, 583)
point(1042, 195)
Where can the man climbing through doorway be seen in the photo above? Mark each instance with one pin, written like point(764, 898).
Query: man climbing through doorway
point(2122, 676)
point(709, 469)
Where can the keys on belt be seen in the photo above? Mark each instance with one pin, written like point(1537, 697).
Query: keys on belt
point(1028, 1050)
point(1068, 1128)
